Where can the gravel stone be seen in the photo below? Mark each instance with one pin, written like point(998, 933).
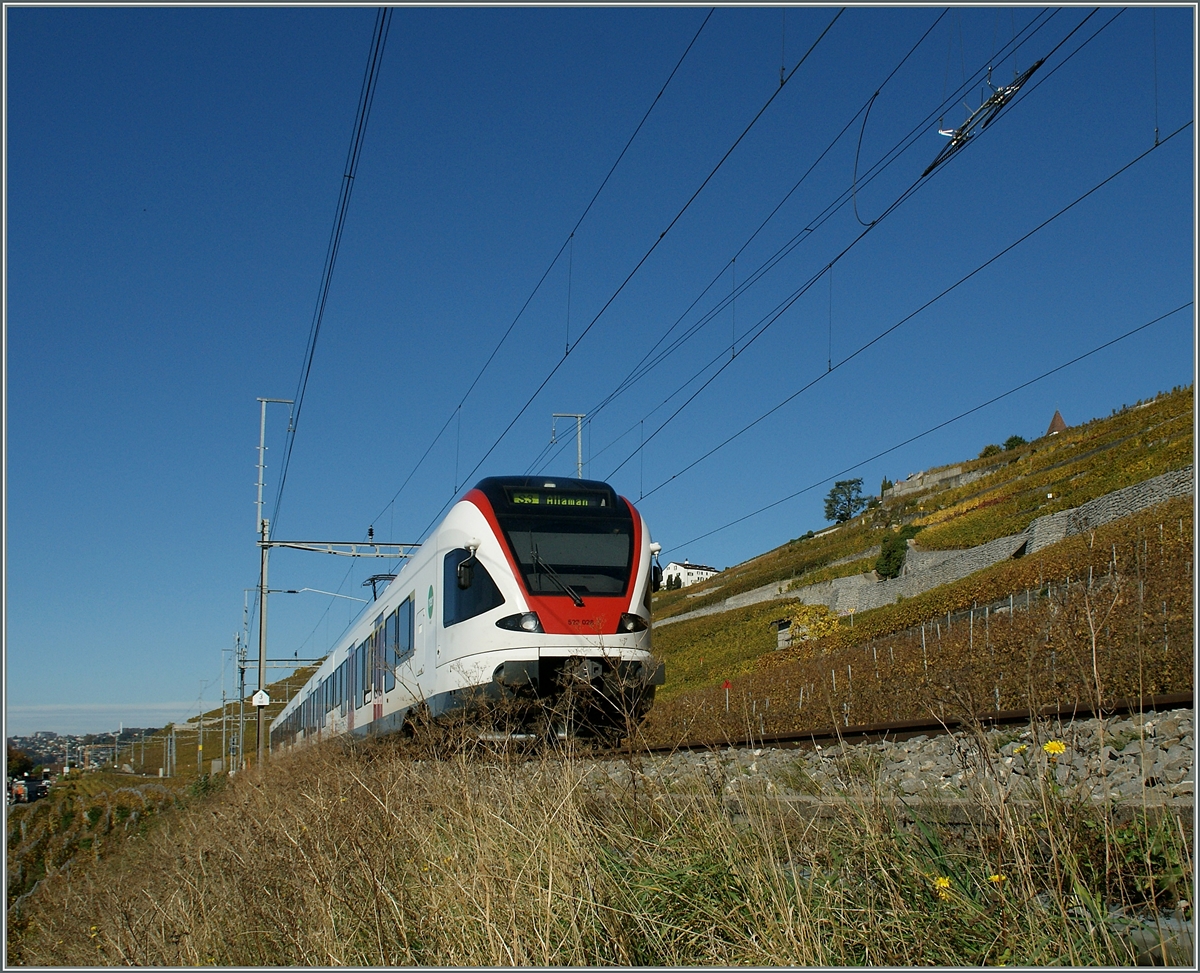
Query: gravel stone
point(1155, 759)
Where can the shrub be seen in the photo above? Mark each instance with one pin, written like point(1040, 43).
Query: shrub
point(892, 550)
point(991, 449)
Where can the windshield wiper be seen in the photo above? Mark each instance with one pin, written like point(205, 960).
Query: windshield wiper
point(537, 560)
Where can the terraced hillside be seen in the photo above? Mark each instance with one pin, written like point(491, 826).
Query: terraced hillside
point(1006, 492)
point(1010, 492)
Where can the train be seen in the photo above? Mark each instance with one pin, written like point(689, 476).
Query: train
point(526, 612)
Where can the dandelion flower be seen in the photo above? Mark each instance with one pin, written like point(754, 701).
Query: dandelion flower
point(1022, 748)
point(941, 888)
point(1054, 748)
point(998, 879)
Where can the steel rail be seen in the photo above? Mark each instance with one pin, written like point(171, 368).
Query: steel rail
point(903, 729)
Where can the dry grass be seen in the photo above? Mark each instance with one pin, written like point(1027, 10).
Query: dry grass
point(372, 856)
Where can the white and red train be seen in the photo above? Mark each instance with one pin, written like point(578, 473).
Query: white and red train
point(530, 601)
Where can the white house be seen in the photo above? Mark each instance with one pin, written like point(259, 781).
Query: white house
point(687, 573)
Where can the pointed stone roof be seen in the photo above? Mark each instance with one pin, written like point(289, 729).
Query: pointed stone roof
point(1056, 424)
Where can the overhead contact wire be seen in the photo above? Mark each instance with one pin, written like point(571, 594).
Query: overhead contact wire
point(911, 315)
point(642, 369)
point(651, 250)
point(933, 429)
point(366, 98)
point(553, 263)
point(781, 308)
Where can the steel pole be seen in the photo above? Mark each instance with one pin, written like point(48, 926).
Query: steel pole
point(578, 417)
point(200, 732)
point(262, 635)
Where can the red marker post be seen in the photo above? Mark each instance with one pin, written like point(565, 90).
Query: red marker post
point(725, 686)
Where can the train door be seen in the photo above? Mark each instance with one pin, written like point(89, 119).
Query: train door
point(377, 646)
point(426, 638)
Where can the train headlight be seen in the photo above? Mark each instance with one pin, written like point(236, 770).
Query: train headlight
point(525, 622)
point(632, 623)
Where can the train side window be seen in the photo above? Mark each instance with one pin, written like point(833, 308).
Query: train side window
point(378, 654)
point(405, 612)
point(459, 604)
point(364, 670)
point(390, 654)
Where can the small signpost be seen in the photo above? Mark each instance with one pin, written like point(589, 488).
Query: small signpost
point(261, 698)
point(725, 686)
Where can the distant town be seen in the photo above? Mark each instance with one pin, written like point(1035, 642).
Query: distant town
point(51, 752)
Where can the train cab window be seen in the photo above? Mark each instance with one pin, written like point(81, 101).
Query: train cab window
point(459, 604)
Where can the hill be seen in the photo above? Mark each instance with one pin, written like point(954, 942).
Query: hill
point(976, 502)
point(990, 497)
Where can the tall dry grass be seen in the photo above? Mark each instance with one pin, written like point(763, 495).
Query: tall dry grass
point(375, 856)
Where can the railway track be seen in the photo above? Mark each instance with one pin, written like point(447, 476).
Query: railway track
point(906, 729)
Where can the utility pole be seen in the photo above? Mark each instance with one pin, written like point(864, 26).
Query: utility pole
point(578, 417)
point(243, 640)
point(262, 640)
point(224, 748)
point(264, 532)
point(200, 731)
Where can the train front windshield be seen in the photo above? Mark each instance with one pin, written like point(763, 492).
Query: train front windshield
point(576, 539)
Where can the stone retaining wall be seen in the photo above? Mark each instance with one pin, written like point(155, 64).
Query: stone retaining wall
point(930, 569)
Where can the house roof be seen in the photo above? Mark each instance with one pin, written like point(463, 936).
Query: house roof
point(1056, 424)
point(692, 567)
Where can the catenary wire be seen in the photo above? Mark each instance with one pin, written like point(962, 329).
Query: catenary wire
point(554, 261)
point(642, 368)
point(637, 267)
point(366, 98)
point(774, 315)
point(348, 185)
point(923, 307)
point(933, 429)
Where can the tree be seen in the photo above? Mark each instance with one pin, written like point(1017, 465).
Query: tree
point(885, 486)
point(991, 449)
point(1012, 442)
point(844, 500)
point(19, 762)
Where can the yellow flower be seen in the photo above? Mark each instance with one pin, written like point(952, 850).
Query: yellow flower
point(1054, 747)
point(941, 888)
point(998, 879)
point(1022, 748)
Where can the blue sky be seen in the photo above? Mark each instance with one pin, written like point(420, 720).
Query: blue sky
point(172, 178)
